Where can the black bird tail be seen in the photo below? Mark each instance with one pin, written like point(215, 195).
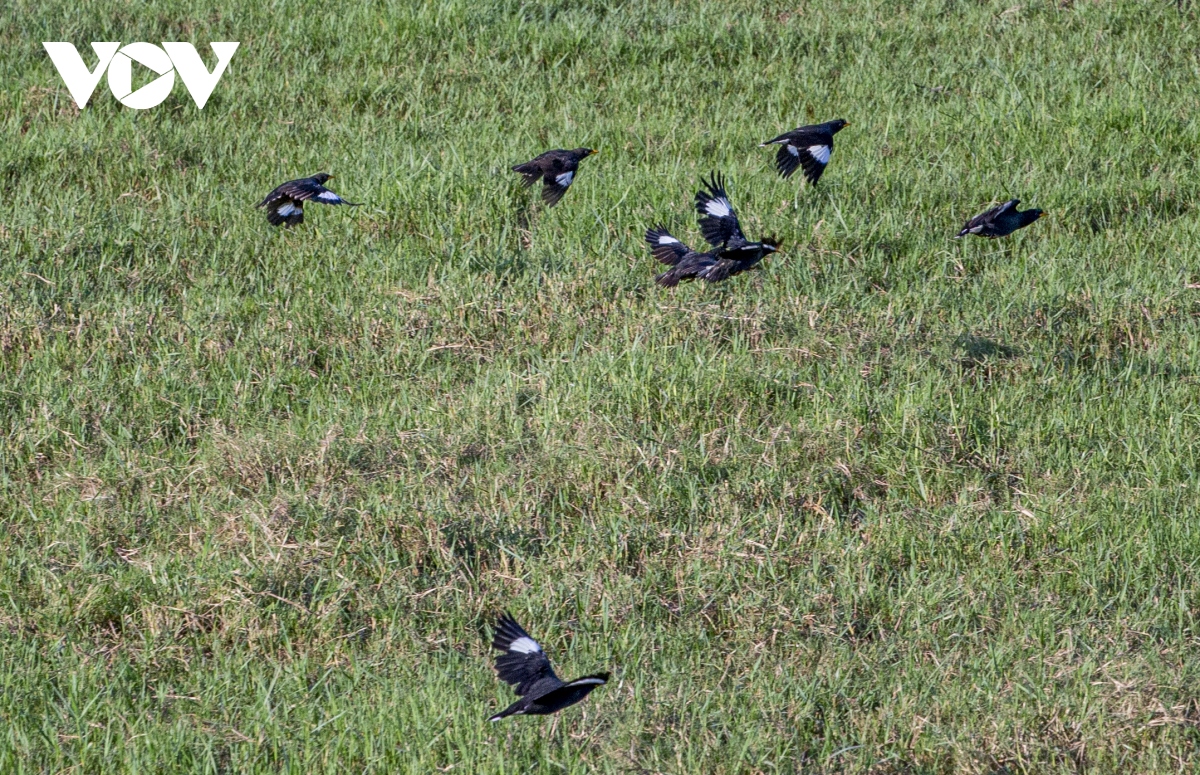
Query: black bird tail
point(669, 278)
point(509, 711)
point(529, 173)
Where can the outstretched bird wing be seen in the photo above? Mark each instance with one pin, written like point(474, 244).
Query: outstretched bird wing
point(981, 221)
point(555, 184)
point(814, 158)
point(718, 221)
point(787, 160)
point(1007, 206)
point(303, 190)
point(523, 662)
point(721, 270)
point(751, 251)
point(690, 266)
point(665, 247)
point(318, 193)
point(807, 147)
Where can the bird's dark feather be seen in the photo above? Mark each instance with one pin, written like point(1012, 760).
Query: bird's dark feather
point(999, 221)
point(688, 268)
point(786, 162)
point(718, 230)
point(670, 253)
point(802, 138)
point(521, 670)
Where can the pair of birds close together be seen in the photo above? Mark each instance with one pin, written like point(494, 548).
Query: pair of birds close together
point(732, 253)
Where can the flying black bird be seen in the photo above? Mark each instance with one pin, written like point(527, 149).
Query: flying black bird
point(286, 203)
point(808, 147)
point(720, 227)
point(1000, 221)
point(556, 169)
point(687, 264)
point(524, 665)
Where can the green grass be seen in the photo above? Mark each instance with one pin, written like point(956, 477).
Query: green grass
point(895, 504)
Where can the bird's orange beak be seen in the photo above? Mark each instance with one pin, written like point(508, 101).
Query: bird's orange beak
point(594, 150)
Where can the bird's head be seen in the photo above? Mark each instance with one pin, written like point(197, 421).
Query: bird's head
point(585, 152)
point(771, 244)
point(837, 125)
point(321, 177)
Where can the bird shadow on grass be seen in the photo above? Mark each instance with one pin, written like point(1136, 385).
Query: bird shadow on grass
point(479, 544)
point(27, 165)
point(977, 350)
point(524, 221)
point(515, 258)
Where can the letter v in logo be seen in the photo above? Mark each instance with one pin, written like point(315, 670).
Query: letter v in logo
point(79, 80)
point(199, 82)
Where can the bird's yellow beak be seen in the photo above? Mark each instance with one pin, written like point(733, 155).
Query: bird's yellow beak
point(594, 150)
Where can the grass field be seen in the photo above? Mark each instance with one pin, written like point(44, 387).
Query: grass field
point(895, 504)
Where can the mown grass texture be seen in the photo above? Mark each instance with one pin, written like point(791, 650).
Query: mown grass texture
point(894, 504)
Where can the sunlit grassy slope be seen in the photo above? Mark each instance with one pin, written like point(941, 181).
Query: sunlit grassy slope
point(894, 504)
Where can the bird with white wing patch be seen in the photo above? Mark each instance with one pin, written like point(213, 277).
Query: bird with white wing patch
point(808, 146)
point(525, 667)
point(285, 205)
point(731, 252)
point(721, 229)
point(556, 169)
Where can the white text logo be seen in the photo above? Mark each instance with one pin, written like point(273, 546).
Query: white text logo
point(166, 61)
